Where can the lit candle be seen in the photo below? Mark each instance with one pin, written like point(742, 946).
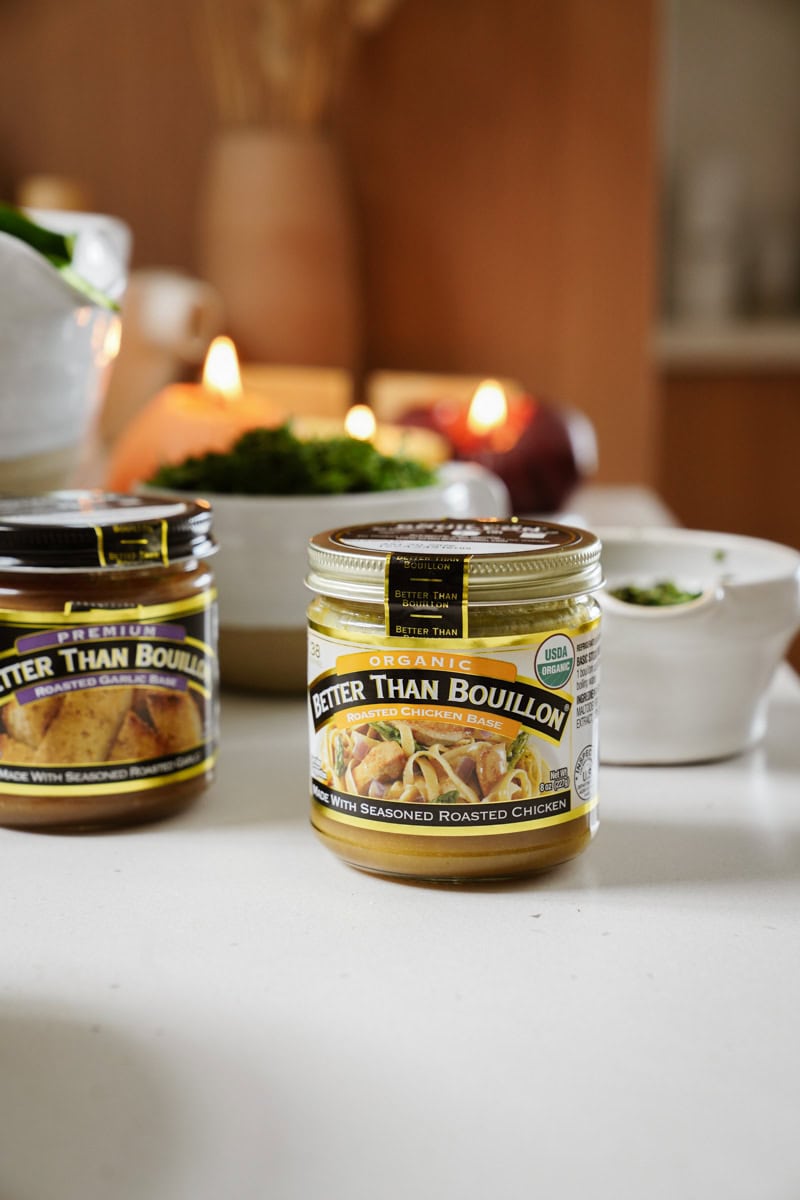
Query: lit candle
point(401, 441)
point(189, 419)
point(493, 422)
point(360, 423)
point(524, 441)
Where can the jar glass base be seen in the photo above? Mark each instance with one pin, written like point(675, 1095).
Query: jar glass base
point(402, 856)
point(93, 814)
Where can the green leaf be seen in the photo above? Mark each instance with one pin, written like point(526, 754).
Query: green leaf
point(447, 797)
point(92, 294)
point(57, 248)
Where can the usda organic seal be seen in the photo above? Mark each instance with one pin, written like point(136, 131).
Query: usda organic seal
point(554, 661)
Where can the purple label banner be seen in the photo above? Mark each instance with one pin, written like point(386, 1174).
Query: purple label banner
point(93, 633)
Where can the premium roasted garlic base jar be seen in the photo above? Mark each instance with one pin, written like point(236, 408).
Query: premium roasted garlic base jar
point(108, 663)
point(452, 698)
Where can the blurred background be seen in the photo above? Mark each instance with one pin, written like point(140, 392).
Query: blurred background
point(599, 200)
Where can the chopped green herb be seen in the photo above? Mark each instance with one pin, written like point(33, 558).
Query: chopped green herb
point(57, 248)
point(274, 462)
point(720, 555)
point(389, 733)
point(447, 797)
point(517, 747)
point(339, 763)
point(663, 593)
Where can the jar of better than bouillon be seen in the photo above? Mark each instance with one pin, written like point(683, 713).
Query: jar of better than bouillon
point(108, 665)
point(453, 695)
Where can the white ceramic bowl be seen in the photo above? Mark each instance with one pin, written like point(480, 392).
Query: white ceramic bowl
point(689, 682)
point(261, 564)
point(56, 348)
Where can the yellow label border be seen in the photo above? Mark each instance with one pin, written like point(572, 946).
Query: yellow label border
point(46, 617)
point(336, 633)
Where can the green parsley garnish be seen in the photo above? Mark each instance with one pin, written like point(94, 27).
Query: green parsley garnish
point(274, 462)
point(663, 593)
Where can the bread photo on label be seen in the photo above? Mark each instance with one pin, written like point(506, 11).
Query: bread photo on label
point(175, 716)
point(86, 726)
point(13, 751)
point(136, 740)
point(28, 723)
point(109, 724)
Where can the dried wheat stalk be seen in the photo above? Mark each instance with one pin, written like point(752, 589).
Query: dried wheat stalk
point(281, 62)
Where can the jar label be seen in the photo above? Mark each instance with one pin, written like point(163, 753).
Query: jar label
point(438, 740)
point(102, 699)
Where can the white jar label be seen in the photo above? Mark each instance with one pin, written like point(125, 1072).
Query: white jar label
point(432, 739)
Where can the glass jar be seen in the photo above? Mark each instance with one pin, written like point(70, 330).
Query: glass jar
point(453, 695)
point(108, 662)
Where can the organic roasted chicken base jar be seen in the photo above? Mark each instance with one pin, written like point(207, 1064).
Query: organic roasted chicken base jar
point(452, 697)
point(108, 664)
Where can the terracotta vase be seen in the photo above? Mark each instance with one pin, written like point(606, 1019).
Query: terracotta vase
point(277, 240)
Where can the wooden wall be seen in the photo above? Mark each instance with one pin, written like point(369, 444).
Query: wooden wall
point(728, 457)
point(114, 94)
point(509, 198)
point(503, 159)
point(729, 454)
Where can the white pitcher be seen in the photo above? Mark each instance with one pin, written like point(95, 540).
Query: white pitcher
point(56, 347)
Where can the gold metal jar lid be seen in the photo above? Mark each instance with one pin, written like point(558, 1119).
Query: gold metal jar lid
point(511, 560)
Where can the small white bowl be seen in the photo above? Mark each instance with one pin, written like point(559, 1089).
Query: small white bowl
point(689, 682)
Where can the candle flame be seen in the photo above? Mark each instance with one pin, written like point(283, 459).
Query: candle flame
point(488, 409)
point(221, 370)
point(360, 423)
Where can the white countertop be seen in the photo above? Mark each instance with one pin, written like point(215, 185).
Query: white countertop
point(215, 1008)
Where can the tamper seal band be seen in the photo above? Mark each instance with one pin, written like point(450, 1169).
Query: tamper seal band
point(426, 596)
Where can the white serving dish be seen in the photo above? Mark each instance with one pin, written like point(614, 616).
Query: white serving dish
point(261, 564)
point(688, 682)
